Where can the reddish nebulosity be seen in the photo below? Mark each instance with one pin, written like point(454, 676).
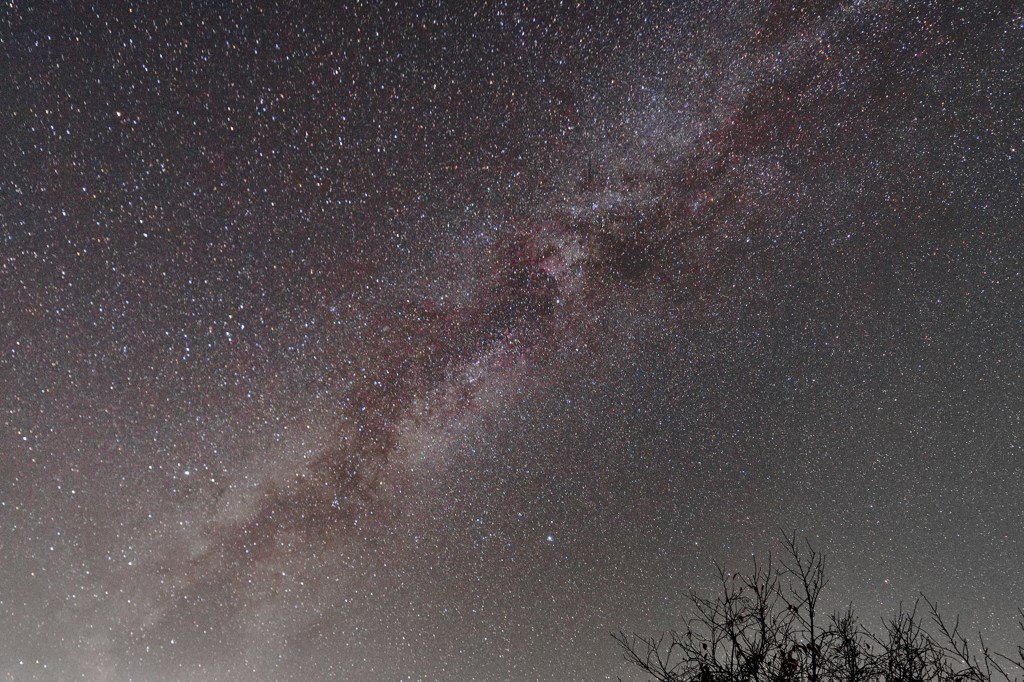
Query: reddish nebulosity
point(521, 310)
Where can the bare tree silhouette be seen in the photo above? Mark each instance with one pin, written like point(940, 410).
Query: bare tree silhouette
point(767, 626)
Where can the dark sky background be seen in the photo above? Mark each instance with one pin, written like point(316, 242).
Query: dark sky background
point(436, 341)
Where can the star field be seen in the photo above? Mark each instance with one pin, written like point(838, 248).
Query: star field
point(436, 341)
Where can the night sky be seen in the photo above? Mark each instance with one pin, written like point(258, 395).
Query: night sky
point(437, 341)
